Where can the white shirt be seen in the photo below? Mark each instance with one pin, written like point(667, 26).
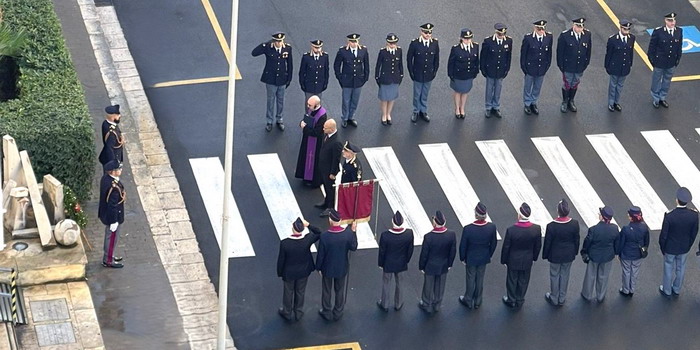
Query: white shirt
point(466, 47)
point(426, 43)
point(316, 57)
point(670, 30)
point(539, 37)
point(354, 52)
point(391, 51)
point(623, 37)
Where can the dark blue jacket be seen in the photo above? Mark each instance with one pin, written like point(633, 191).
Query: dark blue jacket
point(278, 66)
point(463, 64)
point(495, 59)
point(573, 56)
point(521, 246)
point(295, 260)
point(423, 62)
point(438, 252)
point(633, 236)
point(478, 243)
point(352, 171)
point(678, 231)
point(112, 198)
point(351, 71)
point(313, 74)
point(395, 250)
point(601, 242)
point(113, 143)
point(561, 241)
point(536, 56)
point(334, 245)
point(389, 68)
point(619, 55)
point(665, 51)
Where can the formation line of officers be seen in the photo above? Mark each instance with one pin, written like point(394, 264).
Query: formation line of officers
point(493, 60)
point(522, 245)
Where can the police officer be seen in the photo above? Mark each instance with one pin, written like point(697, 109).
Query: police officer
point(665, 51)
point(678, 232)
point(476, 248)
point(573, 56)
point(535, 59)
point(561, 243)
point(618, 62)
point(395, 251)
point(423, 60)
point(436, 258)
point(521, 246)
point(462, 68)
point(352, 168)
point(496, 53)
point(111, 211)
point(389, 73)
point(352, 71)
point(313, 71)
point(598, 250)
point(112, 138)
point(277, 75)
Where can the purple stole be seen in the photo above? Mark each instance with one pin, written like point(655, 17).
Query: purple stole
point(311, 148)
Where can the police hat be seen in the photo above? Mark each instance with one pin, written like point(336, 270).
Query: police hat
point(579, 21)
point(353, 37)
point(671, 15)
point(541, 23)
point(112, 109)
point(683, 195)
point(500, 28)
point(350, 147)
point(112, 165)
point(634, 210)
point(607, 212)
point(466, 33)
point(391, 38)
point(525, 210)
point(317, 43)
point(334, 215)
point(625, 24)
point(428, 27)
point(480, 209)
point(298, 225)
point(278, 36)
point(439, 218)
point(397, 219)
point(563, 207)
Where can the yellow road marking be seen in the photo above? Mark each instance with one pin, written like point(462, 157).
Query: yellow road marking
point(353, 346)
point(219, 34)
point(686, 78)
point(191, 82)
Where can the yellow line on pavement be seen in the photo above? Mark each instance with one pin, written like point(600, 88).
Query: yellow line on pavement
point(343, 346)
point(190, 82)
point(686, 78)
point(219, 33)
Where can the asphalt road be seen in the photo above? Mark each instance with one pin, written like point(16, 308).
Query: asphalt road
point(174, 40)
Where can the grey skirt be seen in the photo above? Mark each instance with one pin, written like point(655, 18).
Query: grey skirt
point(461, 86)
point(388, 92)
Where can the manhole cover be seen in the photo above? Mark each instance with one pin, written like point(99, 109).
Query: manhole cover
point(49, 310)
point(20, 246)
point(55, 334)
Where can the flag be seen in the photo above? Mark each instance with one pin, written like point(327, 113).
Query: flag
point(355, 201)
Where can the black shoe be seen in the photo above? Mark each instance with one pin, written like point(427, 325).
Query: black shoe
point(114, 265)
point(424, 307)
point(280, 311)
point(321, 205)
point(564, 107)
point(548, 297)
point(388, 122)
point(352, 122)
point(325, 213)
point(497, 113)
point(379, 305)
point(487, 114)
point(565, 101)
point(117, 258)
point(324, 315)
point(533, 108)
point(268, 127)
point(384, 122)
point(572, 106)
point(655, 104)
point(425, 117)
point(618, 107)
point(528, 111)
point(661, 291)
point(458, 116)
point(414, 117)
point(663, 103)
point(629, 295)
point(675, 294)
point(280, 126)
point(344, 123)
point(462, 116)
point(397, 308)
point(464, 302)
point(611, 108)
point(509, 304)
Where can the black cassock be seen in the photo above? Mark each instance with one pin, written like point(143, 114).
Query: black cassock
point(311, 142)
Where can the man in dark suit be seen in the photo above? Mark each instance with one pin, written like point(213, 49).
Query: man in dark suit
point(496, 54)
point(294, 265)
point(619, 54)
point(313, 70)
point(395, 251)
point(436, 258)
point(475, 251)
point(521, 246)
point(561, 243)
point(352, 168)
point(678, 232)
point(573, 57)
point(422, 61)
point(277, 75)
point(351, 68)
point(665, 51)
point(329, 164)
point(333, 263)
point(535, 59)
point(112, 139)
point(111, 211)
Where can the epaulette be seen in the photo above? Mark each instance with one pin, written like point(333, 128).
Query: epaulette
point(455, 45)
point(658, 27)
point(586, 30)
point(550, 33)
point(307, 53)
point(693, 209)
point(383, 48)
point(509, 37)
point(434, 39)
point(398, 47)
point(416, 39)
point(611, 36)
point(112, 126)
point(363, 46)
point(564, 31)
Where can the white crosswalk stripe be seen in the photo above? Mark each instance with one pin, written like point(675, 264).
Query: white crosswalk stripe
point(513, 180)
point(398, 190)
point(454, 182)
point(209, 175)
point(674, 158)
point(629, 177)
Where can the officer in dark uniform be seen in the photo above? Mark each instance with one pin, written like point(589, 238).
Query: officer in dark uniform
point(618, 62)
point(496, 53)
point(112, 138)
point(395, 251)
point(313, 71)
point(573, 56)
point(476, 248)
point(352, 71)
point(352, 168)
point(277, 75)
point(665, 51)
point(521, 247)
point(436, 258)
point(423, 60)
point(462, 68)
point(111, 211)
point(389, 73)
point(678, 232)
point(535, 59)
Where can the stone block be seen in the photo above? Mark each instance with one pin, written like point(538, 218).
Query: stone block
point(131, 83)
point(156, 218)
point(124, 65)
point(196, 272)
point(88, 328)
point(121, 55)
point(34, 291)
point(160, 230)
point(142, 175)
point(186, 246)
point(167, 184)
point(53, 197)
point(149, 198)
point(191, 258)
point(171, 200)
point(153, 145)
point(173, 215)
point(201, 333)
point(80, 296)
point(161, 171)
point(43, 222)
point(181, 230)
point(176, 273)
point(169, 257)
point(164, 242)
point(200, 320)
point(57, 289)
point(157, 159)
point(38, 266)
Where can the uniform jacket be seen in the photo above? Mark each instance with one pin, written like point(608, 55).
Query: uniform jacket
point(678, 231)
point(352, 171)
point(423, 62)
point(389, 68)
point(295, 260)
point(278, 65)
point(313, 73)
point(619, 55)
point(332, 259)
point(633, 236)
point(113, 143)
point(351, 71)
point(395, 250)
point(601, 242)
point(112, 198)
point(495, 59)
point(478, 243)
point(561, 241)
point(438, 251)
point(463, 64)
point(536, 56)
point(665, 51)
point(329, 156)
point(573, 56)
point(521, 246)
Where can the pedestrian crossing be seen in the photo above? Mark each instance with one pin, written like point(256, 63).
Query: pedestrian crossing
point(396, 189)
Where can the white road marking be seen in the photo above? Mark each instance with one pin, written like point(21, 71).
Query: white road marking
point(675, 159)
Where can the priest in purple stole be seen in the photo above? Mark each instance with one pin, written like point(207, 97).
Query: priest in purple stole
point(312, 138)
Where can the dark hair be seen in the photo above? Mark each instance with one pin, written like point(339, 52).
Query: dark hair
point(682, 203)
point(636, 218)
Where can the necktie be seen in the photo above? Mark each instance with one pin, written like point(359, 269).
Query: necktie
point(279, 50)
point(499, 41)
point(624, 39)
point(539, 39)
point(578, 37)
point(671, 32)
point(316, 57)
point(425, 43)
point(354, 52)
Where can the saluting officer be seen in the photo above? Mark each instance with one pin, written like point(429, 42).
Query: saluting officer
point(462, 68)
point(111, 211)
point(352, 168)
point(573, 56)
point(395, 251)
point(313, 71)
point(352, 71)
point(496, 54)
point(535, 59)
point(476, 248)
point(618, 62)
point(112, 138)
point(277, 75)
point(389, 73)
point(436, 258)
point(423, 60)
point(678, 232)
point(665, 51)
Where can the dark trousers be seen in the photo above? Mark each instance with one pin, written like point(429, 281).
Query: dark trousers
point(433, 291)
point(475, 285)
point(293, 298)
point(516, 285)
point(386, 282)
point(330, 191)
point(338, 286)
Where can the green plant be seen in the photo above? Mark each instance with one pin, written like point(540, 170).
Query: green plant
point(72, 208)
point(11, 42)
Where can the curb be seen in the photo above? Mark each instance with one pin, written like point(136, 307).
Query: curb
point(155, 180)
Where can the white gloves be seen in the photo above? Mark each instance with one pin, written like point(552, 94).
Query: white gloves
point(113, 227)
